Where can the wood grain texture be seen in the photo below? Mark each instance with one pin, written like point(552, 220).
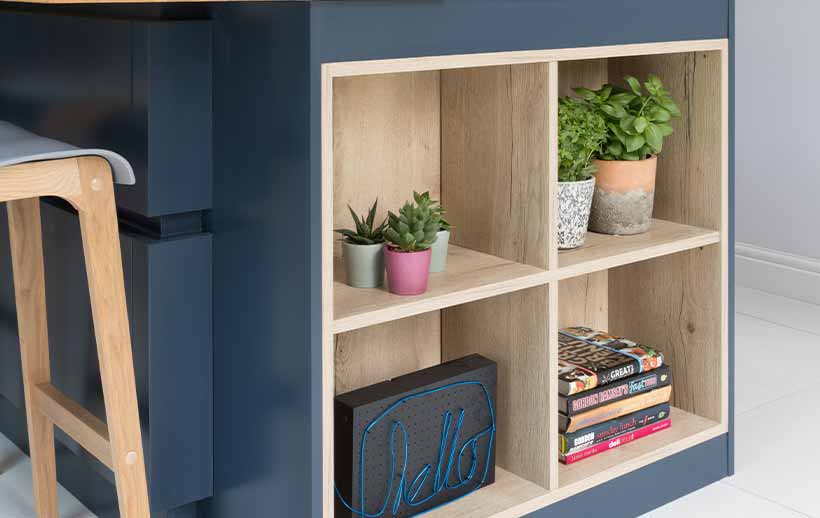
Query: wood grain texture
point(470, 276)
point(601, 251)
point(80, 424)
point(26, 235)
point(673, 303)
point(495, 185)
point(379, 353)
point(417, 64)
point(682, 299)
point(513, 497)
point(584, 301)
point(385, 142)
point(687, 430)
point(494, 160)
point(689, 187)
point(552, 384)
point(500, 499)
point(103, 262)
point(512, 330)
point(552, 165)
point(328, 341)
point(35, 179)
point(587, 73)
point(486, 183)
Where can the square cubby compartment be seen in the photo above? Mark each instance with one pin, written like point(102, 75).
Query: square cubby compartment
point(476, 139)
point(690, 198)
point(676, 304)
point(510, 329)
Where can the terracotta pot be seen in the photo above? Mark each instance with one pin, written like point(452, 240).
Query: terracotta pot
point(407, 272)
point(624, 196)
point(574, 202)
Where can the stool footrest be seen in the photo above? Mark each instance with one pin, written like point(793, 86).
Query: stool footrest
point(80, 424)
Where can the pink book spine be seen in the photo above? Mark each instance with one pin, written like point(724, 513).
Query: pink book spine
point(617, 441)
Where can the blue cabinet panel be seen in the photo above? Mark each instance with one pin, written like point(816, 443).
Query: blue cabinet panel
point(168, 287)
point(141, 88)
point(349, 30)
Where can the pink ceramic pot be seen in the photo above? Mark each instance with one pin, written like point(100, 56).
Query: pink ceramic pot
point(407, 272)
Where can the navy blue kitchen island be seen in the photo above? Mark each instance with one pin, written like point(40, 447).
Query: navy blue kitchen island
point(251, 125)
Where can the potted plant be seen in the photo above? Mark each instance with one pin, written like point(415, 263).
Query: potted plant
point(638, 119)
point(362, 250)
point(581, 133)
point(438, 259)
point(410, 234)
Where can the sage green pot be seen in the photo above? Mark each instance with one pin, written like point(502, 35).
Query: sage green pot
point(364, 264)
point(438, 262)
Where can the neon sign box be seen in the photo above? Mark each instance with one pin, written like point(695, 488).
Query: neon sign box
point(414, 443)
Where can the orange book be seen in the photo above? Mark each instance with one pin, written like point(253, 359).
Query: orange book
point(613, 410)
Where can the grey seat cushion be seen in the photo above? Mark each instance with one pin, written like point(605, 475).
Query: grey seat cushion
point(18, 146)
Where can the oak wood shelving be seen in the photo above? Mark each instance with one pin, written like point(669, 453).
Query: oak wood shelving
point(479, 132)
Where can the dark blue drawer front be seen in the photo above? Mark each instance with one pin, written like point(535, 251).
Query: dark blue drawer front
point(168, 285)
point(141, 88)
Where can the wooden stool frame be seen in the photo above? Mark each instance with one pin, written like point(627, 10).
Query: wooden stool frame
point(86, 183)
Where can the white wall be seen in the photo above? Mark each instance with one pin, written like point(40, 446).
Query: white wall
point(777, 116)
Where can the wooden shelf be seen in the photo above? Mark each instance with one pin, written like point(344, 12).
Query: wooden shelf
point(470, 276)
point(482, 139)
point(513, 496)
point(601, 251)
point(687, 430)
point(510, 495)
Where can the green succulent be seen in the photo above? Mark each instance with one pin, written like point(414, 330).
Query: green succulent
point(424, 199)
point(582, 132)
point(414, 228)
point(637, 121)
point(366, 233)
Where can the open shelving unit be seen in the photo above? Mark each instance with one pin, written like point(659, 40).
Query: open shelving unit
point(479, 132)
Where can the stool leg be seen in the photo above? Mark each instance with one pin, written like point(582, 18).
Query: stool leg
point(30, 293)
point(103, 260)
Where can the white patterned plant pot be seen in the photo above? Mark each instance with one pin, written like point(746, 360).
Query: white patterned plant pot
point(574, 203)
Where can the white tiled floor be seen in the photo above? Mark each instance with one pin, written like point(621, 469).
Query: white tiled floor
point(776, 404)
point(778, 476)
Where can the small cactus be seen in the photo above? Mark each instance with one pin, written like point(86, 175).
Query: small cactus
point(414, 228)
point(365, 233)
point(424, 200)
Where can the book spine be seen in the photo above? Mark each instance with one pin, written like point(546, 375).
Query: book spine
point(618, 391)
point(592, 435)
point(616, 442)
point(614, 410)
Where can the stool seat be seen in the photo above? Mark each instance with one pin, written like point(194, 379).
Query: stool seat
point(18, 146)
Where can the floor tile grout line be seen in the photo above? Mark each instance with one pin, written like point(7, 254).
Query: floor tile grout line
point(775, 400)
point(774, 322)
point(766, 498)
point(775, 295)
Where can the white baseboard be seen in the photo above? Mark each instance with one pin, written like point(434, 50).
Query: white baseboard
point(781, 273)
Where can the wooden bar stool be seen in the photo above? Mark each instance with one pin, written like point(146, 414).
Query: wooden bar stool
point(31, 167)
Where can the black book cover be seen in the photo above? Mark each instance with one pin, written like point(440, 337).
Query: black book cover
point(588, 359)
point(590, 436)
point(616, 391)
